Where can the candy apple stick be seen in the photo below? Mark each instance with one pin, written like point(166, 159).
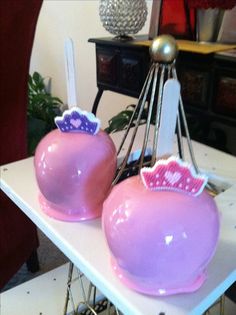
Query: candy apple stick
point(169, 112)
point(70, 73)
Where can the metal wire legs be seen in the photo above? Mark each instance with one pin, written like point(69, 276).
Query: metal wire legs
point(90, 301)
point(150, 100)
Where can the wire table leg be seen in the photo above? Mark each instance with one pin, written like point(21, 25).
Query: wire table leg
point(90, 301)
point(70, 272)
point(222, 304)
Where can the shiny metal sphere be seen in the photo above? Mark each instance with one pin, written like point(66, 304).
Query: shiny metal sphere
point(123, 17)
point(164, 49)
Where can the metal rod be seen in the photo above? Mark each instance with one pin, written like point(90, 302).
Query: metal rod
point(72, 302)
point(91, 289)
point(69, 277)
point(108, 308)
point(180, 138)
point(178, 131)
point(82, 285)
point(191, 152)
point(222, 304)
point(94, 295)
point(150, 73)
point(210, 186)
point(158, 115)
point(123, 164)
point(88, 306)
point(150, 109)
point(185, 124)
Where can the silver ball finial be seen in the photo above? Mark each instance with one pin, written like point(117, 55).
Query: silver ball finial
point(163, 49)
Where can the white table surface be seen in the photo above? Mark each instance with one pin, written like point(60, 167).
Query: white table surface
point(85, 245)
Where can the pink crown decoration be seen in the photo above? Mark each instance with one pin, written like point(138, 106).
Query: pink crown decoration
point(77, 120)
point(174, 175)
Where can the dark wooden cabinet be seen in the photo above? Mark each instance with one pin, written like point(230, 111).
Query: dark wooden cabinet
point(208, 86)
point(194, 72)
point(121, 68)
point(107, 67)
point(194, 86)
point(131, 72)
point(224, 101)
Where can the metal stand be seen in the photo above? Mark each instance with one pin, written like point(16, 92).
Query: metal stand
point(163, 53)
point(94, 305)
point(220, 303)
point(91, 303)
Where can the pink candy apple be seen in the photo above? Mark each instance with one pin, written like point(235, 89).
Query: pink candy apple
point(161, 241)
point(74, 171)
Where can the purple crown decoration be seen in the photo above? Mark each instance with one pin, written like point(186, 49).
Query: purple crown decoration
point(77, 120)
point(174, 175)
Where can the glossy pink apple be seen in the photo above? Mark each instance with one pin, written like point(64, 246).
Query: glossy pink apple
point(161, 240)
point(74, 171)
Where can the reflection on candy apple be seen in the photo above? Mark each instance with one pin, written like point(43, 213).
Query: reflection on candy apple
point(161, 240)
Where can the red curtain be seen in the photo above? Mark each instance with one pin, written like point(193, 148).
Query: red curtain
point(177, 19)
point(18, 18)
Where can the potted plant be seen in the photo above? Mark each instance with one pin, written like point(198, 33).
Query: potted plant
point(41, 111)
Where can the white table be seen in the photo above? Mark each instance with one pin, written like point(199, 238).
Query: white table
point(85, 245)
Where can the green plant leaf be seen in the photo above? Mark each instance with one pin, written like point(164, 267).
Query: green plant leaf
point(41, 111)
point(121, 120)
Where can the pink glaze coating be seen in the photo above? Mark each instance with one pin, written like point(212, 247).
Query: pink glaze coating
point(161, 241)
point(74, 172)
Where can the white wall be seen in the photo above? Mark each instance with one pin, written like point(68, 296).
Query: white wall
point(78, 19)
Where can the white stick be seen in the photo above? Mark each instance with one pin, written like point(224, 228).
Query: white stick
point(169, 112)
point(70, 73)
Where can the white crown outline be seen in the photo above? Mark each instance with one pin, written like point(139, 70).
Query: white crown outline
point(68, 112)
point(180, 163)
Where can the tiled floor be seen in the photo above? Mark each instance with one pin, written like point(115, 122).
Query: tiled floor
point(45, 295)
